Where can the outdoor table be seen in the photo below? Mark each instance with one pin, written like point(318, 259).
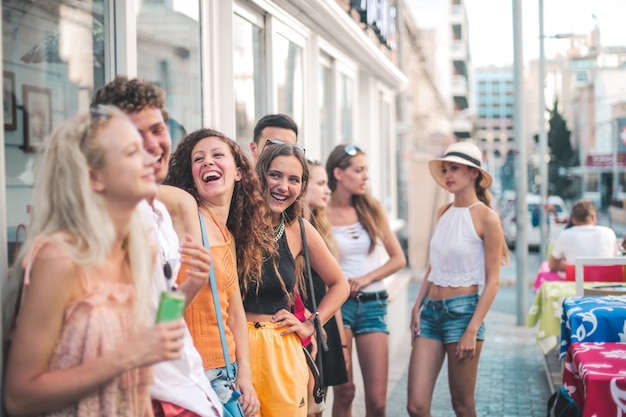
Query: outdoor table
point(595, 377)
point(592, 319)
point(547, 308)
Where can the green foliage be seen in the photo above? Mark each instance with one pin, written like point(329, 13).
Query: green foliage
point(562, 155)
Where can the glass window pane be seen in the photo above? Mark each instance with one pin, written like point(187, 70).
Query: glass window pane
point(325, 109)
point(249, 76)
point(168, 54)
point(289, 78)
point(53, 60)
point(347, 108)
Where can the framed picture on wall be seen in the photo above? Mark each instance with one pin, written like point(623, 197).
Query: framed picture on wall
point(37, 116)
point(8, 100)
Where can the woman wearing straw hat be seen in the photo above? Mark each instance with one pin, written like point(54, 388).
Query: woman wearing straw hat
point(466, 251)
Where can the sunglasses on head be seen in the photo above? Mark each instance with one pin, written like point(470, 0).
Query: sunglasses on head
point(282, 142)
point(313, 162)
point(352, 150)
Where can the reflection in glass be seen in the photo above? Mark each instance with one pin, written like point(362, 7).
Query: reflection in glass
point(385, 158)
point(249, 76)
point(54, 58)
point(325, 109)
point(288, 77)
point(168, 54)
point(347, 108)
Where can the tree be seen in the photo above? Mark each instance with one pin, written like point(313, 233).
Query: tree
point(562, 155)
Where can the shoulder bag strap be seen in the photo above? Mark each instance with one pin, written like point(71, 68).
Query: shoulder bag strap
point(316, 320)
point(216, 304)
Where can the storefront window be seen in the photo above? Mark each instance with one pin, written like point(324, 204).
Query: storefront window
point(289, 78)
point(168, 54)
point(325, 101)
point(386, 157)
point(249, 75)
point(347, 107)
point(53, 60)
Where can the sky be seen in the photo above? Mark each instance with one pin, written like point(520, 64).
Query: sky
point(491, 26)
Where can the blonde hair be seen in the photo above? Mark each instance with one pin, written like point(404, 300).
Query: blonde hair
point(68, 212)
point(319, 219)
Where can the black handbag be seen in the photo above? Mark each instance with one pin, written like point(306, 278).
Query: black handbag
point(315, 365)
point(561, 404)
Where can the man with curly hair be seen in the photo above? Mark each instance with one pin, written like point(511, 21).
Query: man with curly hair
point(180, 387)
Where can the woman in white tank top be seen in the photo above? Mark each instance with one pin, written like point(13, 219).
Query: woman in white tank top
point(466, 251)
point(358, 225)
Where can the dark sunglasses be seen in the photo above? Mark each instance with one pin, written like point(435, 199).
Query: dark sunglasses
point(100, 111)
point(281, 142)
point(352, 150)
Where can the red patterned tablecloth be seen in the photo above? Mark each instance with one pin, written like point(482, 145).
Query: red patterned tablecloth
point(595, 376)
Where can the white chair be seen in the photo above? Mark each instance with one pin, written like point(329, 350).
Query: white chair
point(583, 261)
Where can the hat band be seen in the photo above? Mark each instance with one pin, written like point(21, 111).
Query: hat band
point(464, 156)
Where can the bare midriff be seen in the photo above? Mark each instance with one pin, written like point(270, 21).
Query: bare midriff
point(436, 292)
point(258, 317)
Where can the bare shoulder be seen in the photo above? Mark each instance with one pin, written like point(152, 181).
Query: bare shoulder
point(176, 199)
point(485, 218)
point(52, 260)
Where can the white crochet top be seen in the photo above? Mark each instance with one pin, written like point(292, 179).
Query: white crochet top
point(457, 253)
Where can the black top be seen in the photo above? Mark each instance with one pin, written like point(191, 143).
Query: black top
point(271, 297)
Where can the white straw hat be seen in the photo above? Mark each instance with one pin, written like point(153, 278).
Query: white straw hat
point(464, 153)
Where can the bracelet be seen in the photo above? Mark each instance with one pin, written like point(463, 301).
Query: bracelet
point(344, 346)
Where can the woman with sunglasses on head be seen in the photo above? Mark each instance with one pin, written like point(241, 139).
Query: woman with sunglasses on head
point(359, 224)
point(279, 370)
point(83, 339)
point(334, 359)
point(214, 170)
point(447, 318)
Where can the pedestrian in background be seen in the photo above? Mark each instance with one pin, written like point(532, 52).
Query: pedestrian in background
point(584, 238)
point(214, 170)
point(334, 360)
point(279, 370)
point(359, 224)
point(84, 338)
point(466, 251)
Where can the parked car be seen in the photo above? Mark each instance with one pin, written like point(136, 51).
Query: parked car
point(558, 217)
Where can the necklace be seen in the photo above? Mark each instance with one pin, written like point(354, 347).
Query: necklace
point(280, 229)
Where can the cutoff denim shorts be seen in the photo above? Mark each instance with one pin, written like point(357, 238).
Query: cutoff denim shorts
point(447, 319)
point(220, 383)
point(365, 316)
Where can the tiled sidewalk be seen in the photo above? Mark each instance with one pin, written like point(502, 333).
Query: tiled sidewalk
point(511, 377)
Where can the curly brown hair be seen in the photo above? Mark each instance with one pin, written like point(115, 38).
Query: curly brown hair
point(131, 95)
point(247, 221)
point(294, 211)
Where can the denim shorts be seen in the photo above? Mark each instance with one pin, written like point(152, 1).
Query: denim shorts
point(447, 319)
point(367, 316)
point(220, 383)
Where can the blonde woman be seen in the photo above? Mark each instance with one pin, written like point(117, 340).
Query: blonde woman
point(83, 339)
point(334, 359)
point(466, 251)
point(359, 224)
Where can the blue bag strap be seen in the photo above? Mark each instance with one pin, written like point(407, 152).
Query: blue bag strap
point(218, 311)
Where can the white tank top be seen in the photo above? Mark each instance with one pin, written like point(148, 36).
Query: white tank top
point(355, 261)
point(457, 253)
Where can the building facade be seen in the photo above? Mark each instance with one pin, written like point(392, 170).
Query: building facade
point(494, 119)
point(223, 64)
